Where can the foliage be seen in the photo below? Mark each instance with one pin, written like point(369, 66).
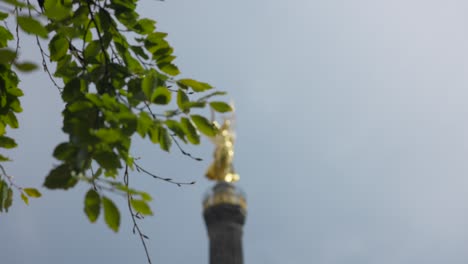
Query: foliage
point(112, 69)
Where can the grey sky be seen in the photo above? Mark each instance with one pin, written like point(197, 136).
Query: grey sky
point(352, 139)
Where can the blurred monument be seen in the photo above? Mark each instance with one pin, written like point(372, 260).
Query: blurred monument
point(224, 207)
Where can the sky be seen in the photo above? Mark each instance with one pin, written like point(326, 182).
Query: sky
point(352, 140)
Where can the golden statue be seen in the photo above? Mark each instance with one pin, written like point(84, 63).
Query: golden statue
point(222, 168)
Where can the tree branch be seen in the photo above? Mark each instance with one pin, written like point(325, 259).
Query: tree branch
point(133, 215)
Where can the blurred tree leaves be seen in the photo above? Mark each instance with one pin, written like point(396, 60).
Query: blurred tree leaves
point(92, 205)
point(111, 214)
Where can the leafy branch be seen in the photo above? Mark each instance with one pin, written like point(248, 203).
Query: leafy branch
point(6, 192)
point(113, 70)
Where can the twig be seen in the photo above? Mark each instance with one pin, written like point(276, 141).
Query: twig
point(43, 55)
point(86, 34)
point(17, 34)
point(139, 168)
point(10, 179)
point(44, 65)
point(183, 151)
point(135, 225)
point(101, 42)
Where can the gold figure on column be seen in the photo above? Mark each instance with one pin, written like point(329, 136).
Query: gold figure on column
point(222, 168)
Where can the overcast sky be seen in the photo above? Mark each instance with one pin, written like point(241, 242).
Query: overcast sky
point(352, 139)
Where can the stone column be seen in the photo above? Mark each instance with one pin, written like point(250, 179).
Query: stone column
point(225, 213)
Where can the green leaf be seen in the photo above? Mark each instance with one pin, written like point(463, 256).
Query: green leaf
point(15, 106)
point(190, 130)
point(26, 66)
point(25, 199)
point(3, 15)
point(145, 196)
point(80, 15)
point(15, 91)
point(144, 26)
point(195, 85)
point(182, 101)
point(169, 68)
point(92, 205)
point(15, 3)
point(6, 142)
point(3, 158)
point(153, 133)
point(206, 127)
point(177, 128)
point(164, 139)
point(32, 26)
point(221, 107)
point(95, 99)
point(7, 56)
point(10, 119)
point(111, 214)
point(148, 84)
point(126, 18)
point(162, 60)
point(8, 200)
point(58, 47)
point(73, 89)
point(141, 206)
point(64, 151)
point(3, 193)
point(133, 64)
point(5, 36)
point(125, 4)
point(67, 68)
point(108, 160)
point(139, 51)
point(32, 192)
point(79, 106)
point(92, 50)
point(156, 38)
point(6, 196)
point(105, 22)
point(54, 10)
point(143, 124)
point(60, 178)
point(161, 95)
point(108, 135)
point(57, 12)
point(196, 104)
point(163, 52)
